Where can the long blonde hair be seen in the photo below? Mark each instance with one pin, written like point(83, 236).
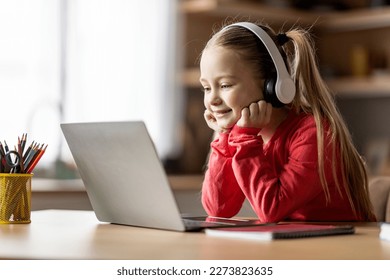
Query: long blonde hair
point(314, 97)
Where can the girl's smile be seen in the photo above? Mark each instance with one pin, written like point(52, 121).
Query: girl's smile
point(221, 113)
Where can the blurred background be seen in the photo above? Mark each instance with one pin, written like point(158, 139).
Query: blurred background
point(105, 60)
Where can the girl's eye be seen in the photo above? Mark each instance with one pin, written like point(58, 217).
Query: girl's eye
point(206, 89)
point(224, 86)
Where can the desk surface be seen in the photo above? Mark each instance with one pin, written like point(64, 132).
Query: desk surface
point(67, 234)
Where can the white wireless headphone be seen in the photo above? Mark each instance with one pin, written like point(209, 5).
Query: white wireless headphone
point(284, 87)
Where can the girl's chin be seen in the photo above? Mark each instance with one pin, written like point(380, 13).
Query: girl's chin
point(226, 126)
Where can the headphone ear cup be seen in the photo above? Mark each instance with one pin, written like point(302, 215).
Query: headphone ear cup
point(270, 93)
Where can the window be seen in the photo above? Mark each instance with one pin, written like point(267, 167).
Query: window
point(88, 60)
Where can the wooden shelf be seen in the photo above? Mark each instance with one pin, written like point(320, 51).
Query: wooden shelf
point(197, 6)
point(330, 21)
point(368, 87)
point(248, 8)
point(361, 19)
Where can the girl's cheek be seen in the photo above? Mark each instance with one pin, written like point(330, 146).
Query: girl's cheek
point(207, 106)
point(206, 103)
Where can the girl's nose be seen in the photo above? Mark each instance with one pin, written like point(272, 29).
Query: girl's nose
point(215, 99)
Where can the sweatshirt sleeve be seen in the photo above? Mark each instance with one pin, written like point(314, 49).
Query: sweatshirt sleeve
point(274, 195)
point(221, 194)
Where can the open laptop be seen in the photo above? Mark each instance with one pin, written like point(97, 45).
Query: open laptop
point(125, 179)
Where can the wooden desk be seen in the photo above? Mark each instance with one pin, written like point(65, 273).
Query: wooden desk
point(67, 234)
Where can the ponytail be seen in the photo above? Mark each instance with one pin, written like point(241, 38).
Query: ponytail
point(313, 96)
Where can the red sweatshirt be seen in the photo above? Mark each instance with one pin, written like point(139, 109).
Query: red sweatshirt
point(280, 179)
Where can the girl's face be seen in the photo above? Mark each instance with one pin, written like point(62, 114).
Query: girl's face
point(229, 85)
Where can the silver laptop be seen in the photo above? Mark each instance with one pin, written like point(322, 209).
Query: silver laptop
point(125, 179)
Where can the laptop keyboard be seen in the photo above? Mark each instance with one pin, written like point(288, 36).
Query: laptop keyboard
point(197, 223)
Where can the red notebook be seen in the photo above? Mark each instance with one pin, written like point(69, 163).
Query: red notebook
point(281, 231)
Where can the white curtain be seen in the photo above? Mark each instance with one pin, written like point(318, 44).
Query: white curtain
point(89, 60)
point(29, 72)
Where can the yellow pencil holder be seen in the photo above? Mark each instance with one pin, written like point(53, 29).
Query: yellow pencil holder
point(15, 198)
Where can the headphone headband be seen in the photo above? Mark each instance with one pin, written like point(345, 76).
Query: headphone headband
point(285, 86)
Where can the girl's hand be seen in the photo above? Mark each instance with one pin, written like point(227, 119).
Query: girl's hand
point(212, 122)
point(256, 115)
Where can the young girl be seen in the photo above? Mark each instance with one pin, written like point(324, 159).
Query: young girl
point(281, 142)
